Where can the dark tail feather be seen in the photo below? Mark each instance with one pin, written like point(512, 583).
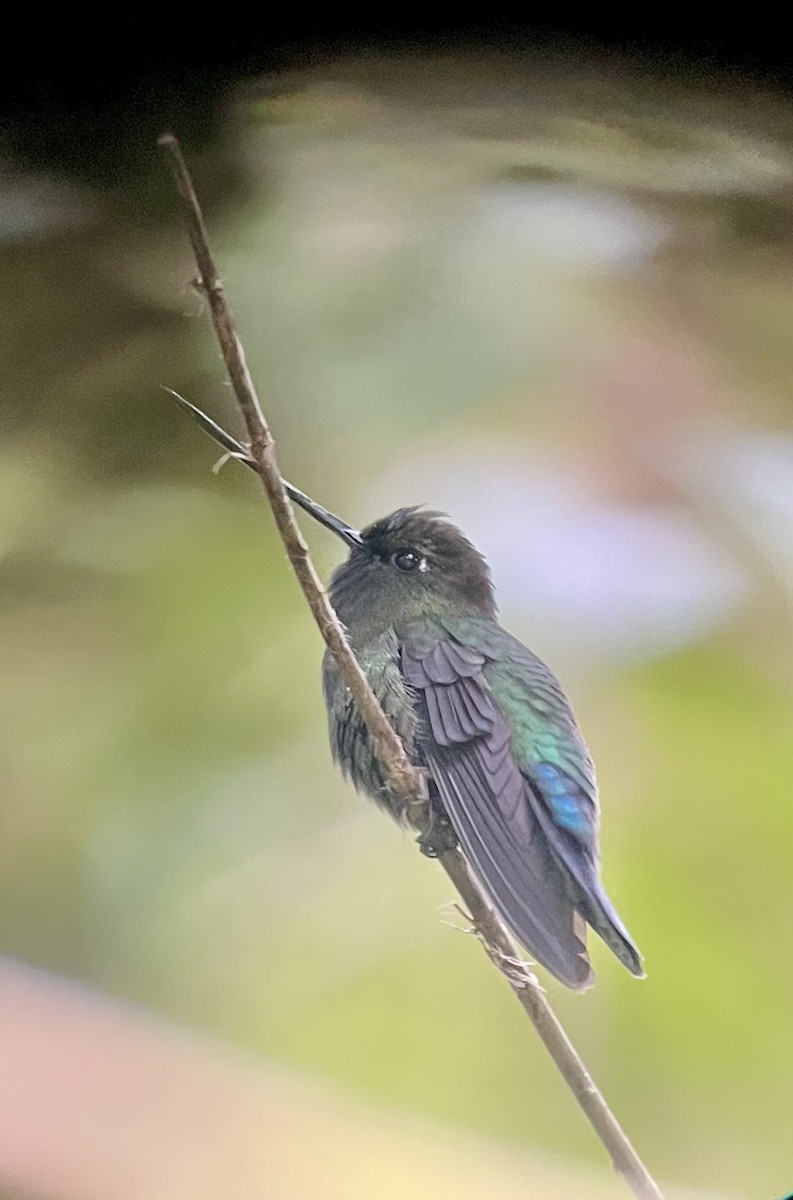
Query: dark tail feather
point(560, 945)
point(523, 881)
point(586, 890)
point(599, 912)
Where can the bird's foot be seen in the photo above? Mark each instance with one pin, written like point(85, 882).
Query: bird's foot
point(438, 837)
point(424, 813)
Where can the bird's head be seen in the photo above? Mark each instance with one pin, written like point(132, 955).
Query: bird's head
point(410, 564)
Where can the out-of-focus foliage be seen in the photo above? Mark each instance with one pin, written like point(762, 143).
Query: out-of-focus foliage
point(555, 304)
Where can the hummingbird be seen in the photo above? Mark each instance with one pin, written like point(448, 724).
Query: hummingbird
point(509, 777)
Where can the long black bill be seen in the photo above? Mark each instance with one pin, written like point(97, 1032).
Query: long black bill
point(242, 453)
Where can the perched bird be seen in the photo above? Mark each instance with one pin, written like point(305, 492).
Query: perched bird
point(509, 776)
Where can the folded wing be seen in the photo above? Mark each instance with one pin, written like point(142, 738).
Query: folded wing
point(466, 741)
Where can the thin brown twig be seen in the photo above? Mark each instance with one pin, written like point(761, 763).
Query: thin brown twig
point(403, 777)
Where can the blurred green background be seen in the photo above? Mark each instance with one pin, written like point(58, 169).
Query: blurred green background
point(553, 300)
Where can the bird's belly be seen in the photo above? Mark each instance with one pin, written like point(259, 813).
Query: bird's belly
point(349, 738)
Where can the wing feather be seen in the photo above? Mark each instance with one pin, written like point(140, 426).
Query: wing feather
point(465, 740)
point(528, 827)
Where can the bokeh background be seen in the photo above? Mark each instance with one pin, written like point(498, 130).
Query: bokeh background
point(551, 296)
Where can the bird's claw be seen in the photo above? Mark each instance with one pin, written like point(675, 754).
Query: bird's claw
point(422, 812)
point(426, 845)
point(437, 838)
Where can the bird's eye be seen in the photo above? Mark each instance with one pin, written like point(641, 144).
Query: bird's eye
point(405, 560)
